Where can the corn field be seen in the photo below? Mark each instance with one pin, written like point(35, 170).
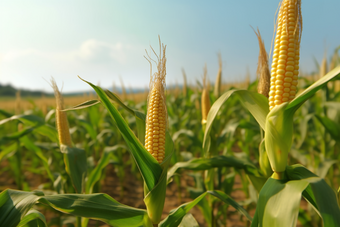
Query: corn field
point(264, 153)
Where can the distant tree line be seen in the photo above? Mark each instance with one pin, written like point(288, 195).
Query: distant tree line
point(9, 91)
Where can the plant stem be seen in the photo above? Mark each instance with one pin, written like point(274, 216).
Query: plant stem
point(78, 221)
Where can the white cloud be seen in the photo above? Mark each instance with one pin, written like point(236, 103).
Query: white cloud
point(93, 59)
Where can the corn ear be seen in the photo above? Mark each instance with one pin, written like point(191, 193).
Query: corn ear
point(61, 118)
point(286, 55)
point(284, 74)
point(156, 118)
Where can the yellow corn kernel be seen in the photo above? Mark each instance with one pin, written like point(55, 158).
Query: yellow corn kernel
point(285, 63)
point(156, 118)
point(61, 118)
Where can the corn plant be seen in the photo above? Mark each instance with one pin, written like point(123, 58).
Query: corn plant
point(279, 198)
point(153, 165)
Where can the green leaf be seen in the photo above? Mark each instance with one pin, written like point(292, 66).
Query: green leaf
point(175, 217)
point(14, 205)
point(331, 127)
point(96, 173)
point(278, 203)
point(6, 114)
point(84, 105)
point(76, 166)
point(36, 122)
point(311, 90)
point(17, 135)
point(188, 221)
point(33, 218)
point(8, 150)
point(140, 117)
point(319, 194)
point(148, 166)
point(99, 207)
point(257, 105)
point(217, 161)
point(32, 147)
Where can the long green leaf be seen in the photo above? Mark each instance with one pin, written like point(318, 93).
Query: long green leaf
point(332, 127)
point(99, 207)
point(188, 221)
point(148, 166)
point(217, 161)
point(37, 122)
point(278, 203)
point(32, 147)
point(76, 166)
point(140, 117)
point(8, 150)
point(319, 194)
point(257, 105)
point(14, 205)
point(96, 173)
point(311, 90)
point(33, 218)
point(175, 217)
point(83, 105)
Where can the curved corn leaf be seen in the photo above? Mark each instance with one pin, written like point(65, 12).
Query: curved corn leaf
point(331, 127)
point(75, 165)
point(16, 135)
point(257, 105)
point(34, 148)
point(8, 150)
point(148, 166)
point(217, 161)
point(188, 221)
point(99, 207)
point(140, 117)
point(278, 203)
point(175, 217)
point(38, 123)
point(311, 90)
point(14, 205)
point(6, 114)
point(83, 105)
point(33, 218)
point(96, 173)
point(318, 193)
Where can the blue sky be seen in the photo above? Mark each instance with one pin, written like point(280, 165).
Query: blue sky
point(103, 40)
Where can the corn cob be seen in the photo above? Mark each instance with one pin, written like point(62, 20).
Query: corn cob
point(156, 118)
point(285, 63)
point(61, 118)
point(205, 100)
